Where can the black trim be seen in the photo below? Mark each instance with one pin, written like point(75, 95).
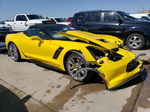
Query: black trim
point(47, 66)
point(58, 51)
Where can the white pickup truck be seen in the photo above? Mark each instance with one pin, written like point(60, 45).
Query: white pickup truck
point(22, 22)
point(58, 20)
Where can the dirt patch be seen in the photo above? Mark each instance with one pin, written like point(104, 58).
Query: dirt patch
point(145, 92)
point(94, 85)
point(37, 108)
point(88, 89)
point(140, 94)
point(48, 91)
point(58, 86)
point(128, 107)
point(63, 97)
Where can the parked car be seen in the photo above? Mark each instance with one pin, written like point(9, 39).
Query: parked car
point(144, 17)
point(4, 30)
point(136, 34)
point(69, 19)
point(22, 22)
point(79, 53)
point(139, 15)
point(59, 20)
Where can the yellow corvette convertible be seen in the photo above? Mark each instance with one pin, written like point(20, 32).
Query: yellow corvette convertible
point(80, 53)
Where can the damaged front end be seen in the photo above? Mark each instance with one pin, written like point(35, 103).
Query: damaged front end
point(116, 66)
point(113, 63)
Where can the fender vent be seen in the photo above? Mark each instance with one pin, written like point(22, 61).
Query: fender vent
point(58, 51)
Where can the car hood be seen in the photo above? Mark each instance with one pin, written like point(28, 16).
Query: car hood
point(99, 40)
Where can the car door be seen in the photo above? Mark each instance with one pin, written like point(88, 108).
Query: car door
point(103, 23)
point(20, 23)
point(111, 24)
point(93, 22)
point(78, 22)
point(35, 49)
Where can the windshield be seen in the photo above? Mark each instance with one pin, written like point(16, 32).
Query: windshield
point(145, 18)
point(31, 17)
point(60, 19)
point(53, 31)
point(127, 16)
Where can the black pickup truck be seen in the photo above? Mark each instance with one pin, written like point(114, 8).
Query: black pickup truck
point(136, 34)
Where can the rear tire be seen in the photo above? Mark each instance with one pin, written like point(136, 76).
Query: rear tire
point(14, 52)
point(135, 41)
point(73, 64)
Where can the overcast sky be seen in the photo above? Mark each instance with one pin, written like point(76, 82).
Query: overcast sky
point(67, 8)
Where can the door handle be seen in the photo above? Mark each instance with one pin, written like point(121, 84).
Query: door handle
point(26, 24)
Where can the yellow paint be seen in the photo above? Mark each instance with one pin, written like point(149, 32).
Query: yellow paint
point(113, 73)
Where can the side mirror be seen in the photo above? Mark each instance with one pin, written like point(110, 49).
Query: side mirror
point(119, 21)
point(36, 38)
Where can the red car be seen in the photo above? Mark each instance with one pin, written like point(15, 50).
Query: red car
point(69, 19)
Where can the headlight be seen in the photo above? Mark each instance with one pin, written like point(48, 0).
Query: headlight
point(132, 65)
point(95, 52)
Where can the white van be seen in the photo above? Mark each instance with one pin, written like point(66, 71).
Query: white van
point(145, 16)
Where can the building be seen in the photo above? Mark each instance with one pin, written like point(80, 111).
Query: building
point(144, 11)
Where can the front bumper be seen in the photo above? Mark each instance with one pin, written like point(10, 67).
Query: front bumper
point(117, 75)
point(119, 81)
point(142, 70)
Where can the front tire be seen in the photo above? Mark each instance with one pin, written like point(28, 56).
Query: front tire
point(135, 41)
point(75, 62)
point(14, 52)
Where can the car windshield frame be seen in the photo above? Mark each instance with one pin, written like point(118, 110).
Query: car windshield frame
point(32, 17)
point(126, 16)
point(53, 32)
